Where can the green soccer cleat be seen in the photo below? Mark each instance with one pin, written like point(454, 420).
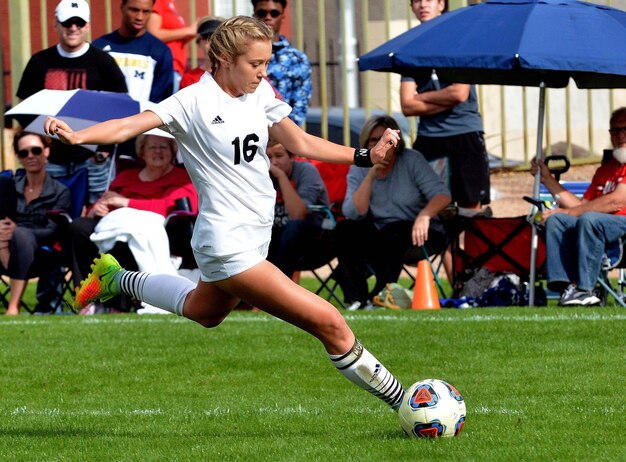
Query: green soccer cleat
point(101, 284)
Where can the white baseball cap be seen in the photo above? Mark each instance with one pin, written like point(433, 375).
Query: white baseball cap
point(67, 9)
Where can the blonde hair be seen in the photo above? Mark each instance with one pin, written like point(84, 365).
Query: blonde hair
point(140, 145)
point(230, 40)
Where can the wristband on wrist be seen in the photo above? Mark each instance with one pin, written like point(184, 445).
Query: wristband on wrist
point(362, 158)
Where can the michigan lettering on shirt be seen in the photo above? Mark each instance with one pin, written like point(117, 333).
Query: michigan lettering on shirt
point(139, 73)
point(139, 62)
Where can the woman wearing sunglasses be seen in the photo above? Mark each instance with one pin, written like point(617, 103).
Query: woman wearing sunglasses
point(25, 226)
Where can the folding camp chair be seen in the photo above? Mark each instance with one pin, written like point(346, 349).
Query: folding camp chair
point(52, 256)
point(178, 224)
point(497, 244)
point(614, 258)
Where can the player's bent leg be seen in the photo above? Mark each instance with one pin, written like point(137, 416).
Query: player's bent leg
point(208, 305)
point(166, 291)
point(267, 287)
point(361, 367)
point(108, 279)
point(203, 303)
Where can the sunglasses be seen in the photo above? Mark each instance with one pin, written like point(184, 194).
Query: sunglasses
point(35, 150)
point(78, 22)
point(261, 13)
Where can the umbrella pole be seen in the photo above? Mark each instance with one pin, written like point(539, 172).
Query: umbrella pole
point(112, 172)
point(534, 236)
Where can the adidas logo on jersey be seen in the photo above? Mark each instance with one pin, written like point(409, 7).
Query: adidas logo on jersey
point(217, 120)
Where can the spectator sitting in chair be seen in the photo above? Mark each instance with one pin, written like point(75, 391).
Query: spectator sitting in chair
point(137, 199)
point(390, 208)
point(298, 184)
point(24, 225)
point(580, 231)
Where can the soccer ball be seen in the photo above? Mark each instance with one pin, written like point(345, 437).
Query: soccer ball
point(432, 408)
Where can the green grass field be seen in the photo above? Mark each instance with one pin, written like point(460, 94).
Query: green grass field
point(540, 384)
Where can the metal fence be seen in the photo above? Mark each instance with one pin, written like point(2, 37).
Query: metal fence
point(333, 33)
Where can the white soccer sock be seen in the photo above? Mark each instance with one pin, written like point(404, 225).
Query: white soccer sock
point(360, 367)
point(167, 291)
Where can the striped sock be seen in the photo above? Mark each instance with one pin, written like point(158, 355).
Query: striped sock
point(360, 367)
point(165, 291)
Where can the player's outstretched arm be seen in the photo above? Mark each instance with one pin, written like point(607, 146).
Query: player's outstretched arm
point(110, 132)
point(296, 140)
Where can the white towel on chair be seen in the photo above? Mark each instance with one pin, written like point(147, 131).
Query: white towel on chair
point(143, 231)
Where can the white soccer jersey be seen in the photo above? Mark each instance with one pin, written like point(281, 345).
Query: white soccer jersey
point(223, 141)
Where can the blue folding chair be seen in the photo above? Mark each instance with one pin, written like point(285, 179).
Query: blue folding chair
point(60, 280)
point(614, 258)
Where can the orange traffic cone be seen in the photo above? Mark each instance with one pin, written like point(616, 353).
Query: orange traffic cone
point(425, 295)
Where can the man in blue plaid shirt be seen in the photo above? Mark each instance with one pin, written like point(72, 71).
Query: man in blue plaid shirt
point(289, 70)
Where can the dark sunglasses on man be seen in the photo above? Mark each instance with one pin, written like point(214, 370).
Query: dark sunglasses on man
point(262, 13)
point(35, 150)
point(78, 22)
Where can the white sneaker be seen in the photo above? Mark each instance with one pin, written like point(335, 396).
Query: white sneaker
point(354, 306)
point(576, 296)
point(370, 306)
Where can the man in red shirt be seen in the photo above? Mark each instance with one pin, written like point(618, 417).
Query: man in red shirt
point(579, 232)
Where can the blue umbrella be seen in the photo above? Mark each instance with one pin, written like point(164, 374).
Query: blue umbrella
point(540, 43)
point(513, 42)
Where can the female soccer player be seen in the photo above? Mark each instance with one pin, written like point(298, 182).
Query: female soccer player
point(222, 125)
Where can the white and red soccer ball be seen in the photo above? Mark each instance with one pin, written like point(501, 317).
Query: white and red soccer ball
point(432, 408)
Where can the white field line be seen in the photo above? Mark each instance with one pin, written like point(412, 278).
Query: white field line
point(271, 410)
point(490, 317)
point(213, 412)
point(235, 317)
point(483, 410)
